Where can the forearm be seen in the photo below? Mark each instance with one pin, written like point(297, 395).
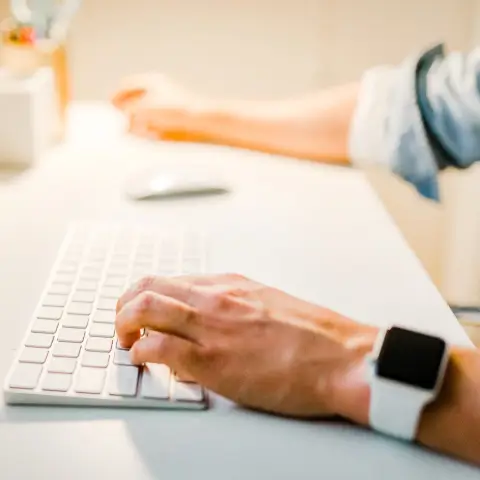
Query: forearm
point(451, 424)
point(314, 126)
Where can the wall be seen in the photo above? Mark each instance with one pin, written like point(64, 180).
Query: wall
point(255, 47)
point(272, 48)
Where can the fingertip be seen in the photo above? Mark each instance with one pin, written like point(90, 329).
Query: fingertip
point(147, 349)
point(126, 341)
point(135, 354)
point(125, 97)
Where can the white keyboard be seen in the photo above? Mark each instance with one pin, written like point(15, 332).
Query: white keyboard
point(70, 354)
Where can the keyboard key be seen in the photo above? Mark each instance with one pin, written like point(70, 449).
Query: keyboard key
point(59, 289)
point(67, 267)
point(107, 304)
point(97, 256)
point(111, 292)
point(143, 263)
point(155, 381)
point(102, 330)
point(72, 256)
point(95, 344)
point(122, 357)
point(90, 277)
point(90, 380)
point(71, 335)
point(67, 262)
point(44, 326)
point(170, 246)
point(183, 378)
point(40, 340)
point(50, 313)
point(69, 350)
point(57, 382)
point(75, 321)
point(104, 316)
point(33, 355)
point(83, 297)
point(87, 285)
point(54, 300)
point(187, 392)
point(144, 256)
point(123, 381)
point(92, 269)
point(95, 359)
point(25, 376)
point(191, 266)
point(62, 365)
point(117, 271)
point(65, 278)
point(166, 272)
point(168, 264)
point(115, 281)
point(193, 247)
point(136, 276)
point(122, 251)
point(78, 308)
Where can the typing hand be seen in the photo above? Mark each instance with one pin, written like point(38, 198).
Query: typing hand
point(158, 108)
point(253, 344)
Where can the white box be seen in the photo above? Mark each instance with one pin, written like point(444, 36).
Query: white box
point(27, 116)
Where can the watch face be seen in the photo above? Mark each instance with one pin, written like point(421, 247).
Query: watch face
point(411, 357)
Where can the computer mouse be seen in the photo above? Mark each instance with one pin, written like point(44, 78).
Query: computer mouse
point(158, 184)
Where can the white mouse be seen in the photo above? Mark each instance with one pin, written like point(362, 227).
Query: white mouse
point(158, 184)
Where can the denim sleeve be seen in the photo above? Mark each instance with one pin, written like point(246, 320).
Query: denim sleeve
point(448, 92)
point(430, 119)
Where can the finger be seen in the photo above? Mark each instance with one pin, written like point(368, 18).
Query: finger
point(173, 351)
point(186, 359)
point(184, 288)
point(130, 89)
point(170, 287)
point(156, 312)
point(122, 99)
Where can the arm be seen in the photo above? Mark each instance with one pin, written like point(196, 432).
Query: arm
point(314, 126)
point(449, 425)
point(414, 119)
point(267, 350)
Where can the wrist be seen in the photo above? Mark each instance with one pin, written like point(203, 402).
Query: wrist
point(351, 388)
point(207, 118)
point(449, 424)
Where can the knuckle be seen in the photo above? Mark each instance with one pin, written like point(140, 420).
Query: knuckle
point(144, 283)
point(235, 277)
point(204, 358)
point(144, 302)
point(189, 315)
point(219, 300)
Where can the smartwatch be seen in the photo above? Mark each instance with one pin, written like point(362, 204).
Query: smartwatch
point(406, 370)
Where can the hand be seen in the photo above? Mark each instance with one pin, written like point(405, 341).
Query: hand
point(251, 343)
point(158, 108)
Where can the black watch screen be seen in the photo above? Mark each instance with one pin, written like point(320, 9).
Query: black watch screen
point(411, 357)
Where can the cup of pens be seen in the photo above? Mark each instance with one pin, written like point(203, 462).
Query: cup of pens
point(35, 36)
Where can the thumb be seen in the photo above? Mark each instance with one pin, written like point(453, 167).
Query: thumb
point(179, 354)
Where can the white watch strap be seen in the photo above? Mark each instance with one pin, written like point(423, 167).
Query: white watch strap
point(395, 409)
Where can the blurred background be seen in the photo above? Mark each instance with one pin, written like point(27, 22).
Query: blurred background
point(273, 48)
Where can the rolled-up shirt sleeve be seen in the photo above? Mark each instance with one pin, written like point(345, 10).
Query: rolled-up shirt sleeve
point(419, 117)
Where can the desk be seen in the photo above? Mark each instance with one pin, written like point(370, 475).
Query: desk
point(315, 231)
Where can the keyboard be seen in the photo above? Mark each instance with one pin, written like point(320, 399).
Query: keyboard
point(70, 354)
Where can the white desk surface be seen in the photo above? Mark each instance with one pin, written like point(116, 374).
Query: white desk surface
point(316, 231)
